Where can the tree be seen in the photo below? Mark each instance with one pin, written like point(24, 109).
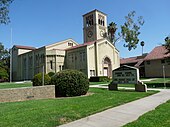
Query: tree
point(129, 31)
point(112, 30)
point(4, 63)
point(4, 54)
point(167, 43)
point(4, 11)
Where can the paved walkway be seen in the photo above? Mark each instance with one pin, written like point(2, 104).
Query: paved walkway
point(121, 115)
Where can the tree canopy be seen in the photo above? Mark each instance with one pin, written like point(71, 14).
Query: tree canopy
point(167, 43)
point(4, 11)
point(4, 63)
point(4, 53)
point(129, 31)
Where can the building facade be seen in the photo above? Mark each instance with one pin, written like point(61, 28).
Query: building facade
point(154, 64)
point(95, 57)
point(157, 62)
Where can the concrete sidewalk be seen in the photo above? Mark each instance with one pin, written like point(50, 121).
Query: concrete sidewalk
point(121, 115)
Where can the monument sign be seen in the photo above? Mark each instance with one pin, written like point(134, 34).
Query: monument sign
point(125, 75)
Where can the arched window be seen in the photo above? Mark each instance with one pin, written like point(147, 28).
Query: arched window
point(89, 23)
point(98, 21)
point(92, 21)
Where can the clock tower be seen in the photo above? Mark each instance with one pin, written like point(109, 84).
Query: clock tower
point(94, 26)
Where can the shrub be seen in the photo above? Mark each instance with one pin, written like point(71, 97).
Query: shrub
point(99, 79)
point(37, 80)
point(157, 85)
point(51, 74)
point(70, 83)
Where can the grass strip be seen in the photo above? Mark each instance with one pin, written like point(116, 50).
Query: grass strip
point(54, 112)
point(14, 85)
point(160, 117)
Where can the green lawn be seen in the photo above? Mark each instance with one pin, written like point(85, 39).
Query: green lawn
point(53, 112)
point(156, 83)
point(14, 85)
point(158, 80)
point(98, 83)
point(160, 117)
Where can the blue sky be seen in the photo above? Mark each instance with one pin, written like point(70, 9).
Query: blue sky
point(41, 22)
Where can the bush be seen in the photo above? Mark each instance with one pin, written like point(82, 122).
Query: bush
point(157, 85)
point(37, 80)
point(70, 83)
point(99, 79)
point(51, 74)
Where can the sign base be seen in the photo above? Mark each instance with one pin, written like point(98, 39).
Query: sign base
point(112, 86)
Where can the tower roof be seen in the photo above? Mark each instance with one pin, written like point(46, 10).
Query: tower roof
point(24, 47)
point(95, 10)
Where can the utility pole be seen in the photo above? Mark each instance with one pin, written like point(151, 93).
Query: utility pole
point(43, 76)
point(164, 76)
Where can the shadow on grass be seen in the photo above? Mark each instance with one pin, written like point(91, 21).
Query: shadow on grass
point(120, 90)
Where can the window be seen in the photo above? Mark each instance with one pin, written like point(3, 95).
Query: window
point(60, 67)
point(51, 64)
point(89, 20)
point(84, 56)
point(25, 63)
point(60, 55)
point(98, 21)
point(148, 62)
point(92, 72)
point(30, 61)
point(162, 61)
point(168, 61)
point(101, 20)
point(80, 56)
point(103, 23)
point(42, 58)
point(72, 58)
point(36, 60)
point(70, 44)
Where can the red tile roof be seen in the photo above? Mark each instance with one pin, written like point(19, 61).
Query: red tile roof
point(128, 60)
point(24, 47)
point(137, 60)
point(85, 44)
point(81, 45)
point(159, 52)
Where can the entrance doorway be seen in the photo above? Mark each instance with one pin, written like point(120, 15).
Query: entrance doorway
point(107, 68)
point(105, 71)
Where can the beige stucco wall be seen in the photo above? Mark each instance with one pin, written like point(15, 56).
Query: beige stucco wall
point(28, 64)
point(105, 49)
point(62, 45)
point(85, 59)
point(22, 51)
point(17, 63)
point(91, 60)
point(96, 54)
point(14, 64)
point(77, 59)
point(25, 70)
point(155, 69)
point(57, 57)
point(39, 60)
point(96, 27)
